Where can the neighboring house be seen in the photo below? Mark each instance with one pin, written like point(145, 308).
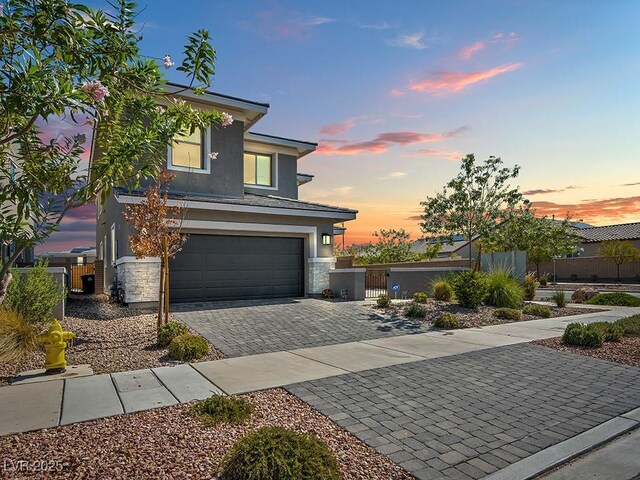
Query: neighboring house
point(249, 234)
point(593, 237)
point(76, 255)
point(458, 248)
point(26, 258)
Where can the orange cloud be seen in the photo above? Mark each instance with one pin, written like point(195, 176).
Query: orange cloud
point(468, 51)
point(382, 142)
point(451, 82)
point(610, 210)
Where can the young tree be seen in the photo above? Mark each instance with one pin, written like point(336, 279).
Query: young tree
point(392, 246)
point(65, 60)
point(431, 251)
point(477, 200)
point(620, 252)
point(157, 228)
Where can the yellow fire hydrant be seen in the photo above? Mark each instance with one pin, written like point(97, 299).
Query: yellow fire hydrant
point(54, 342)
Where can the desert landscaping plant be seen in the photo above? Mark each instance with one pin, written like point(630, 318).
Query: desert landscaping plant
point(188, 347)
point(560, 298)
point(615, 299)
point(503, 290)
point(582, 335)
point(220, 409)
point(279, 453)
point(383, 300)
point(17, 336)
point(447, 321)
point(169, 331)
point(470, 288)
point(631, 325)
point(530, 286)
point(612, 332)
point(544, 279)
point(508, 314)
point(415, 310)
point(620, 252)
point(443, 291)
point(537, 310)
point(420, 297)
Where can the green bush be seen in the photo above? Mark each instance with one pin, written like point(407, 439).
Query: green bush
point(277, 453)
point(220, 409)
point(560, 298)
point(169, 331)
point(470, 288)
point(34, 294)
point(443, 291)
point(383, 300)
point(529, 286)
point(583, 335)
point(543, 280)
point(420, 297)
point(630, 325)
point(503, 290)
point(612, 332)
point(616, 299)
point(448, 321)
point(508, 313)
point(415, 310)
point(187, 347)
point(537, 310)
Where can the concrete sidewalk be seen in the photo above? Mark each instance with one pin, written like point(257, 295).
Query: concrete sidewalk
point(48, 404)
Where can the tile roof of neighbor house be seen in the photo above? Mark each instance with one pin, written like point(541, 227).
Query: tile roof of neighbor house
point(249, 199)
point(624, 231)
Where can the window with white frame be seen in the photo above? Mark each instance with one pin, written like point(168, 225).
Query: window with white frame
point(190, 152)
point(257, 169)
point(114, 244)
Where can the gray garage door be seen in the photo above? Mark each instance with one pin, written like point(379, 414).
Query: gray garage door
point(220, 267)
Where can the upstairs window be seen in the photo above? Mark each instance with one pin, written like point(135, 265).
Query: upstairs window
point(257, 169)
point(189, 152)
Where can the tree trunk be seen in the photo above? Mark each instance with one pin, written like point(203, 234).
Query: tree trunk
point(618, 268)
point(478, 264)
point(4, 286)
point(165, 255)
point(538, 270)
point(470, 259)
point(5, 272)
point(160, 298)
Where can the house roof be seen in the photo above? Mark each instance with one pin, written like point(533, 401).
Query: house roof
point(624, 231)
point(253, 201)
point(303, 147)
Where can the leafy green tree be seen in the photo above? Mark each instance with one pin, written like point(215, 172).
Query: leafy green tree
point(542, 238)
point(392, 246)
point(431, 251)
point(65, 60)
point(620, 252)
point(473, 203)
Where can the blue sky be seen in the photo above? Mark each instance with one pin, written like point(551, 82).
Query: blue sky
point(397, 92)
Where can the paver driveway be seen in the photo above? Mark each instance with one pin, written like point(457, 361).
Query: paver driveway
point(248, 327)
point(468, 415)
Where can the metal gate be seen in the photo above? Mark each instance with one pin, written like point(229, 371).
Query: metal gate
point(375, 283)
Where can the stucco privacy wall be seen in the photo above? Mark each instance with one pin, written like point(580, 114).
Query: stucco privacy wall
point(140, 279)
point(350, 279)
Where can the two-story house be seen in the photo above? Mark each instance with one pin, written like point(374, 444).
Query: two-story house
point(249, 234)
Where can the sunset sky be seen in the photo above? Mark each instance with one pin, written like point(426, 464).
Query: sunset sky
point(397, 92)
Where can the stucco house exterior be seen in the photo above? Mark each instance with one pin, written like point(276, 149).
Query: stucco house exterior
point(592, 237)
point(250, 236)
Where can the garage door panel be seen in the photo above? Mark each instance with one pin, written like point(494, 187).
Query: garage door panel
point(220, 267)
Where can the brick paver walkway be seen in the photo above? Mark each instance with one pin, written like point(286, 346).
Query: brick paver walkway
point(466, 416)
point(249, 327)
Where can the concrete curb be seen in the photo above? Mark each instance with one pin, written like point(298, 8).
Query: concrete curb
point(545, 460)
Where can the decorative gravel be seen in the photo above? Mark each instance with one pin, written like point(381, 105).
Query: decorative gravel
point(626, 351)
point(169, 443)
point(109, 337)
point(469, 317)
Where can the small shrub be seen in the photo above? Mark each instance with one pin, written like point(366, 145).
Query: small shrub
point(443, 291)
point(328, 293)
point(544, 280)
point(581, 295)
point(169, 331)
point(616, 299)
point(275, 452)
point(420, 297)
point(470, 288)
point(612, 331)
point(529, 285)
point(415, 310)
point(187, 347)
point(537, 310)
point(383, 300)
point(508, 313)
point(583, 335)
point(17, 336)
point(220, 409)
point(34, 294)
point(560, 298)
point(630, 325)
point(447, 321)
point(503, 290)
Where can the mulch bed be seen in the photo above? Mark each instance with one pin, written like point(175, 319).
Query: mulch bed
point(626, 351)
point(169, 443)
point(109, 337)
point(469, 317)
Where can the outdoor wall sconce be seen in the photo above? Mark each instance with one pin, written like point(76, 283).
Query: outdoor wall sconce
point(326, 239)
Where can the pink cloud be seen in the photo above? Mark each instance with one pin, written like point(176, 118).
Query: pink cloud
point(468, 51)
point(447, 154)
point(396, 92)
point(279, 24)
point(451, 82)
point(382, 142)
point(340, 127)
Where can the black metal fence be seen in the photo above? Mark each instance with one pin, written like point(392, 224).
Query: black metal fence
point(375, 283)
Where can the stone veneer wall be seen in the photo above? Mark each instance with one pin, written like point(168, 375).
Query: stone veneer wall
point(140, 279)
point(319, 274)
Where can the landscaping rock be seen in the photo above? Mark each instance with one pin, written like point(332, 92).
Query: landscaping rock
point(583, 294)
